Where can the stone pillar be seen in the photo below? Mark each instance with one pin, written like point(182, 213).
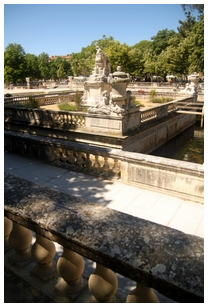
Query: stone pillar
point(28, 82)
point(7, 231)
point(70, 267)
point(103, 285)
point(20, 239)
point(142, 294)
point(194, 80)
point(43, 252)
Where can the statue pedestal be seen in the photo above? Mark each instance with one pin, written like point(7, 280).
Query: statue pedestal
point(93, 92)
point(114, 125)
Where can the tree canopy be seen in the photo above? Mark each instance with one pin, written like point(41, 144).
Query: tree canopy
point(168, 52)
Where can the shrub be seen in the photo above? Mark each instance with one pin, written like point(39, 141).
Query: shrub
point(78, 100)
point(67, 107)
point(162, 99)
point(152, 95)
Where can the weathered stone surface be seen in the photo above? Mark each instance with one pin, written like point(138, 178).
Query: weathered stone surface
point(157, 256)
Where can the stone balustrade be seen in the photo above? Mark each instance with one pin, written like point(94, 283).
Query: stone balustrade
point(41, 99)
point(67, 118)
point(154, 256)
point(179, 178)
point(158, 111)
point(58, 119)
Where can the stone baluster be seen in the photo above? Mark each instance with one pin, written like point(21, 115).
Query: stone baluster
point(88, 162)
point(70, 267)
point(103, 285)
point(71, 157)
point(142, 294)
point(96, 165)
point(116, 168)
point(106, 166)
point(7, 231)
point(57, 153)
point(79, 160)
point(20, 239)
point(74, 119)
point(64, 155)
point(43, 252)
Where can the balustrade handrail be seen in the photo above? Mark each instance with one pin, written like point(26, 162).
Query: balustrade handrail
point(181, 178)
point(156, 256)
point(21, 114)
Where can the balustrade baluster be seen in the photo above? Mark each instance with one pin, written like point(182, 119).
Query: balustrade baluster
point(7, 231)
point(70, 267)
point(96, 166)
point(96, 163)
point(74, 119)
point(88, 161)
point(116, 168)
point(79, 160)
point(142, 294)
point(64, 155)
point(57, 153)
point(20, 239)
point(103, 285)
point(43, 252)
point(106, 166)
point(71, 157)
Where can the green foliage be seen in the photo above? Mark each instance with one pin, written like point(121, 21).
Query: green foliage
point(14, 63)
point(161, 99)
point(67, 107)
point(152, 94)
point(33, 103)
point(168, 52)
point(78, 99)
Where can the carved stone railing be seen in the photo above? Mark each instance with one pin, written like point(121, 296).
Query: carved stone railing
point(152, 255)
point(170, 176)
point(158, 111)
point(68, 118)
point(41, 99)
point(58, 119)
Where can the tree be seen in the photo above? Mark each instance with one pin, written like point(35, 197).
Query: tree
point(32, 70)
point(161, 41)
point(187, 25)
point(44, 66)
point(118, 55)
point(196, 43)
point(192, 7)
point(14, 63)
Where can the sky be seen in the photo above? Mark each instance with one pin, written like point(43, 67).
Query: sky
point(60, 29)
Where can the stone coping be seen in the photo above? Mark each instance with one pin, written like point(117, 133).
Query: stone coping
point(157, 256)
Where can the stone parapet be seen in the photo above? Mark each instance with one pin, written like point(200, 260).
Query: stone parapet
point(169, 176)
point(153, 255)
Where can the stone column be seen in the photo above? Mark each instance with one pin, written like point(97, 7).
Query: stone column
point(43, 252)
point(70, 267)
point(20, 239)
point(142, 294)
point(103, 285)
point(7, 231)
point(28, 82)
point(194, 80)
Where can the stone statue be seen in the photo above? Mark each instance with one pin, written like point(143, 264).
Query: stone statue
point(102, 64)
point(101, 107)
point(116, 109)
